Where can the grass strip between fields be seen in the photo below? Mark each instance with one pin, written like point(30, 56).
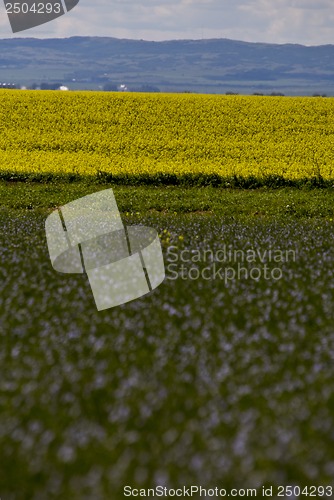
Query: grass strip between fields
point(252, 204)
point(167, 179)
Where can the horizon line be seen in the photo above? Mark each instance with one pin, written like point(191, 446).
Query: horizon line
point(165, 41)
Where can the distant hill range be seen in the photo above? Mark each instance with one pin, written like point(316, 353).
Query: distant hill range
point(209, 66)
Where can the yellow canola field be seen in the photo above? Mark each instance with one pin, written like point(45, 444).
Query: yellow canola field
point(125, 133)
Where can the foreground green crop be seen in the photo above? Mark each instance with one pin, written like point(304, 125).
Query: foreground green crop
point(200, 382)
point(139, 137)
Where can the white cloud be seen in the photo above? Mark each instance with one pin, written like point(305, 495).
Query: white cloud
point(310, 22)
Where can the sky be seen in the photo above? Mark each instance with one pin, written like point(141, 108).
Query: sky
point(308, 22)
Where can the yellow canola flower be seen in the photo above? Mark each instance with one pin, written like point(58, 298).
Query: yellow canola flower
point(89, 133)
